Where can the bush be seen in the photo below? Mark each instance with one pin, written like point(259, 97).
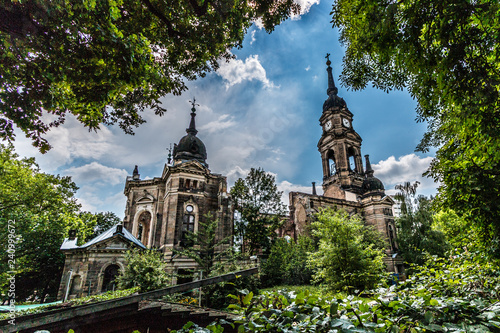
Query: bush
point(287, 263)
point(456, 295)
point(347, 257)
point(145, 269)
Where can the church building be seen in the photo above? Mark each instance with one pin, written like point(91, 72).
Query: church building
point(347, 184)
point(158, 214)
point(160, 211)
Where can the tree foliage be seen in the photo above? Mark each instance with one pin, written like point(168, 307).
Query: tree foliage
point(100, 222)
point(41, 208)
point(106, 61)
point(457, 295)
point(446, 53)
point(345, 259)
point(144, 269)
point(459, 232)
point(287, 263)
point(205, 247)
point(417, 234)
point(258, 201)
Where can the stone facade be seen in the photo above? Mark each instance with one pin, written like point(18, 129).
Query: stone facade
point(347, 184)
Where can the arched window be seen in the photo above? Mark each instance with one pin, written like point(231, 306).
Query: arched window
point(110, 274)
point(144, 224)
point(332, 168)
point(188, 225)
point(352, 162)
point(392, 238)
point(140, 230)
point(75, 285)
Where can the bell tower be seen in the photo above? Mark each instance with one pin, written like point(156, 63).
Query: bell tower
point(340, 145)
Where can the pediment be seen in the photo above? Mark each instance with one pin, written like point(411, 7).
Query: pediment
point(146, 199)
point(388, 200)
point(117, 242)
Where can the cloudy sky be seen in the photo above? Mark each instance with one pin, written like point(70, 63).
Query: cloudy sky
point(259, 110)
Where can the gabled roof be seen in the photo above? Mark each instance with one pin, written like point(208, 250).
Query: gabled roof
point(110, 233)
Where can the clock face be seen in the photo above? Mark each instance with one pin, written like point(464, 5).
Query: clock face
point(328, 125)
point(346, 122)
point(189, 208)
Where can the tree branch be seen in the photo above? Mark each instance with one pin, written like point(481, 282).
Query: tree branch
point(170, 28)
point(199, 10)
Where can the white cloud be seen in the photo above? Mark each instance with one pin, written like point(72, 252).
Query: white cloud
point(307, 68)
point(236, 71)
point(235, 173)
point(224, 121)
point(69, 141)
point(407, 168)
point(96, 172)
point(252, 37)
point(288, 187)
point(259, 24)
point(305, 6)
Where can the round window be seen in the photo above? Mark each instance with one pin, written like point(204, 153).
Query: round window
point(189, 208)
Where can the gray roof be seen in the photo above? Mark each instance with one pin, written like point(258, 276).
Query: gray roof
point(71, 244)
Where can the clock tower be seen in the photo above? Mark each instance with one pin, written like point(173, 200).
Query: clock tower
point(340, 145)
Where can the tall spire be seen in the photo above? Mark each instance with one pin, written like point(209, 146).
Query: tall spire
point(332, 90)
point(192, 126)
point(369, 170)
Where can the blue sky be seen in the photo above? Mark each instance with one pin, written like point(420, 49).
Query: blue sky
point(259, 110)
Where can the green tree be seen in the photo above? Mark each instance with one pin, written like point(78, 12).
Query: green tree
point(258, 201)
point(416, 232)
point(205, 247)
point(287, 263)
point(100, 222)
point(345, 259)
point(106, 61)
point(446, 53)
point(144, 269)
point(459, 232)
point(40, 209)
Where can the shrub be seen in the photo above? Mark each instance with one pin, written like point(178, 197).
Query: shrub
point(145, 269)
point(347, 258)
point(287, 263)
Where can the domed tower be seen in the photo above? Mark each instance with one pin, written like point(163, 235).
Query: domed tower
point(190, 147)
point(372, 185)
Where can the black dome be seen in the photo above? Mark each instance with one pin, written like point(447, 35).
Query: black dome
point(333, 101)
point(373, 184)
point(190, 148)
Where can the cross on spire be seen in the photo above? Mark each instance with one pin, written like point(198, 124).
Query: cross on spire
point(328, 62)
point(193, 103)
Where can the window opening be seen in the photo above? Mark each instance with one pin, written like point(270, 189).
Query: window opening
point(109, 281)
